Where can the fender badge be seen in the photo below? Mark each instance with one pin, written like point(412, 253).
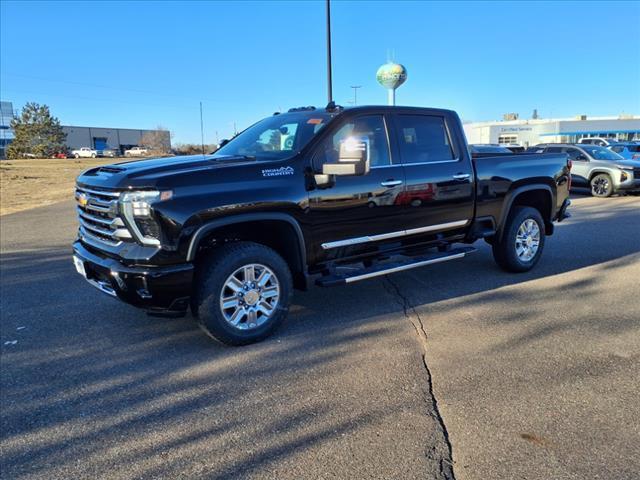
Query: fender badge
point(277, 172)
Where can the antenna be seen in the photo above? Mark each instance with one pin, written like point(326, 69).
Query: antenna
point(201, 130)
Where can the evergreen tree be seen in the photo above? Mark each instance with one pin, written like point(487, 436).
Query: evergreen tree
point(36, 132)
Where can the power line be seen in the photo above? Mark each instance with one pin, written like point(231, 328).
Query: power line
point(93, 85)
point(355, 93)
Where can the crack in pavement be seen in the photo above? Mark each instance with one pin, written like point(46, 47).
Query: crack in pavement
point(410, 312)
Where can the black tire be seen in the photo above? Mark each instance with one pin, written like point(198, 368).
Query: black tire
point(77, 156)
point(601, 186)
point(504, 249)
point(211, 279)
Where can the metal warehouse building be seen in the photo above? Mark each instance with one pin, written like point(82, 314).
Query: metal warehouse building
point(564, 130)
point(119, 139)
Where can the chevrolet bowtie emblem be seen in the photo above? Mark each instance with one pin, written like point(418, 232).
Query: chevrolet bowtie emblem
point(83, 199)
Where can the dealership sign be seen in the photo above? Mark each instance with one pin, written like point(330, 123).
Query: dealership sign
point(516, 129)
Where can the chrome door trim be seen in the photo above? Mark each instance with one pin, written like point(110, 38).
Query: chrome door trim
point(431, 163)
point(387, 236)
point(440, 226)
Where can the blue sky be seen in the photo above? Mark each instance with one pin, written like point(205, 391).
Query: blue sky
point(142, 64)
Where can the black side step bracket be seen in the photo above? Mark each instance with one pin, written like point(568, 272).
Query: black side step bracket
point(355, 275)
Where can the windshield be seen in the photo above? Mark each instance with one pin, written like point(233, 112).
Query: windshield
point(276, 137)
point(601, 153)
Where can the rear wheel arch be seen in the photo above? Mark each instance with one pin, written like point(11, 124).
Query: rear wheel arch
point(540, 197)
point(280, 232)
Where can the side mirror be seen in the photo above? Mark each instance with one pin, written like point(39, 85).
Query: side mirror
point(353, 158)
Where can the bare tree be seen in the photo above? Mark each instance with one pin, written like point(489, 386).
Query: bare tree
point(193, 149)
point(157, 141)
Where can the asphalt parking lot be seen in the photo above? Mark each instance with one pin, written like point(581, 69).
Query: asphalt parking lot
point(456, 369)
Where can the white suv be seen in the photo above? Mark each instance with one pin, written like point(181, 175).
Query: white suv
point(603, 142)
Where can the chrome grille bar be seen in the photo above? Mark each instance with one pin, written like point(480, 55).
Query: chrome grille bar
point(99, 217)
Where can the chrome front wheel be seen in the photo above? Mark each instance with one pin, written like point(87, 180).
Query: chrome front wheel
point(250, 296)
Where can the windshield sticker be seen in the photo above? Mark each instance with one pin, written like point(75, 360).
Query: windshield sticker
point(277, 172)
point(314, 121)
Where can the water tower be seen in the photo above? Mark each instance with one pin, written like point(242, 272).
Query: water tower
point(391, 76)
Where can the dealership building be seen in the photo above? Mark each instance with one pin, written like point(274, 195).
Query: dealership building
point(556, 130)
point(119, 139)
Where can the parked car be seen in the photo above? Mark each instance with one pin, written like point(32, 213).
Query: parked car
point(136, 152)
point(514, 147)
point(86, 152)
point(603, 142)
point(230, 235)
point(60, 155)
point(110, 152)
point(630, 151)
point(487, 150)
point(600, 169)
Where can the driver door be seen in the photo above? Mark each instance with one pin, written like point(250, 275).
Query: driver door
point(356, 213)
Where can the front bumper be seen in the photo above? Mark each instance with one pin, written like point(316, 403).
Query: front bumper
point(632, 185)
point(156, 289)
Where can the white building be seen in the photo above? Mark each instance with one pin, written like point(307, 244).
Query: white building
point(556, 130)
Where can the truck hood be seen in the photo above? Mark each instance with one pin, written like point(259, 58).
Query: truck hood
point(147, 173)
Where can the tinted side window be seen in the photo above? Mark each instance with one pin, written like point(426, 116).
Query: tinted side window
point(573, 153)
point(617, 149)
point(553, 150)
point(370, 126)
point(423, 139)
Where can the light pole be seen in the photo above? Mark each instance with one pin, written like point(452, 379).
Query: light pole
point(355, 93)
point(329, 81)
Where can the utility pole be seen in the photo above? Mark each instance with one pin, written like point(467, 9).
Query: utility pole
point(201, 130)
point(329, 81)
point(355, 93)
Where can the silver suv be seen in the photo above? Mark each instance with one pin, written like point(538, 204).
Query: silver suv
point(597, 167)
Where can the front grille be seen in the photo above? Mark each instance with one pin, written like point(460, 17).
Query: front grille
point(98, 216)
point(636, 173)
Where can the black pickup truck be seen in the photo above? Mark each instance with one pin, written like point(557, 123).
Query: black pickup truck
point(327, 196)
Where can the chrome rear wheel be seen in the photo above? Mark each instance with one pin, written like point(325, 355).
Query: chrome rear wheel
point(527, 240)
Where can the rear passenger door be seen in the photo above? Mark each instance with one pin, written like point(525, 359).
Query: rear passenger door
point(439, 194)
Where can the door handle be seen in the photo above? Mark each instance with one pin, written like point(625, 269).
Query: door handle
point(461, 176)
point(391, 183)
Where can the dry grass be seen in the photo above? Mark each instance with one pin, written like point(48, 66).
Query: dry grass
point(29, 183)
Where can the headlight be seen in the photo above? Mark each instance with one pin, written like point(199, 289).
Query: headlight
point(136, 209)
point(624, 167)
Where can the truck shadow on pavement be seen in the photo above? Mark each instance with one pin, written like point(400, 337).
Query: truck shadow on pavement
point(94, 386)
